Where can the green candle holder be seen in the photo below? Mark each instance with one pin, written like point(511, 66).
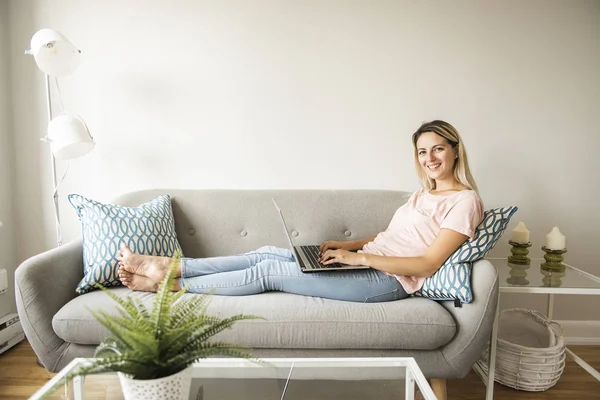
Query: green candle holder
point(552, 278)
point(519, 253)
point(518, 274)
point(554, 259)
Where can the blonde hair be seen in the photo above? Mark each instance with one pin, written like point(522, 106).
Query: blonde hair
point(462, 173)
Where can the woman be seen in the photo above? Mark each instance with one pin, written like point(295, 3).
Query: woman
point(423, 233)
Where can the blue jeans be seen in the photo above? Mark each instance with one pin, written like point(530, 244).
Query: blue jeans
point(272, 268)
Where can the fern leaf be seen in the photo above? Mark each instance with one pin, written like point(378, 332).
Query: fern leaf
point(106, 346)
point(211, 349)
point(125, 303)
point(203, 336)
point(195, 305)
point(100, 365)
point(193, 323)
point(142, 310)
point(162, 305)
point(174, 341)
point(128, 333)
point(113, 325)
point(128, 309)
point(179, 294)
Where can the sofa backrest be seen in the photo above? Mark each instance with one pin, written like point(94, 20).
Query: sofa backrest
point(223, 222)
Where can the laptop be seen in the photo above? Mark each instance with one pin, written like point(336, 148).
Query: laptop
point(307, 257)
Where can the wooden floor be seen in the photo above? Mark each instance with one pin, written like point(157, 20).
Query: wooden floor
point(20, 377)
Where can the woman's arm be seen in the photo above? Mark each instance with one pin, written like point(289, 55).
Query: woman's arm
point(446, 243)
point(350, 245)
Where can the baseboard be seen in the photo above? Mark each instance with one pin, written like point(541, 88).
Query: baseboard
point(581, 332)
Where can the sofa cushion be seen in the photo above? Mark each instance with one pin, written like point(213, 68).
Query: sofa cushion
point(453, 279)
point(292, 321)
point(146, 229)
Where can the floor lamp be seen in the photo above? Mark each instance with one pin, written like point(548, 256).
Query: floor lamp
point(68, 135)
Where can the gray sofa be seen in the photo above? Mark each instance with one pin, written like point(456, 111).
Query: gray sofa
point(445, 340)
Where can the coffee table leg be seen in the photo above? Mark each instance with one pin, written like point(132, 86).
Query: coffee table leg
point(78, 387)
point(489, 392)
point(410, 386)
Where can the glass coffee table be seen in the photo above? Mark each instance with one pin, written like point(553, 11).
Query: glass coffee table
point(532, 279)
point(276, 379)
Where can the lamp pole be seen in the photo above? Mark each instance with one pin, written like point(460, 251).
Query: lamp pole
point(53, 162)
point(68, 135)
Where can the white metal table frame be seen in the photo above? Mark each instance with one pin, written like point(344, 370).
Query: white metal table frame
point(488, 379)
point(413, 374)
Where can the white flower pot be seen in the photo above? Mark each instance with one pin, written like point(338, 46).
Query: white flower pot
point(174, 387)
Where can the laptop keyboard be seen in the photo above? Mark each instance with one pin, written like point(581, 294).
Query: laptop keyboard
point(312, 252)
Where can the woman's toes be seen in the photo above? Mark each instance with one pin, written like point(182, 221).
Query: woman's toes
point(124, 276)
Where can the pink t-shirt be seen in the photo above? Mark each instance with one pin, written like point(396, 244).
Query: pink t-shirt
point(417, 223)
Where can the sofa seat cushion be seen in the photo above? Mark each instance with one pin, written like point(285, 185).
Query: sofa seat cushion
point(292, 321)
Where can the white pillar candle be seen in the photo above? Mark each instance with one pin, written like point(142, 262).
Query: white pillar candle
point(555, 240)
point(520, 234)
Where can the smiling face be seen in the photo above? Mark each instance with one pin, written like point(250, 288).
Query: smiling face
point(436, 156)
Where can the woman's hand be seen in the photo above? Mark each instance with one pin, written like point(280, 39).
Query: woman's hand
point(342, 257)
point(331, 244)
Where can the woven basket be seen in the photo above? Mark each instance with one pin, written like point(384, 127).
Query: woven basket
point(530, 354)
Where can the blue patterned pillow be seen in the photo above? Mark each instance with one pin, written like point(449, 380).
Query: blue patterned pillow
point(146, 229)
point(453, 280)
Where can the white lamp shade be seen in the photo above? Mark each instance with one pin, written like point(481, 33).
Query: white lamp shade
point(53, 53)
point(69, 137)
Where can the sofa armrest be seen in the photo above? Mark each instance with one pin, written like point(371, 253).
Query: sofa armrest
point(474, 320)
point(43, 285)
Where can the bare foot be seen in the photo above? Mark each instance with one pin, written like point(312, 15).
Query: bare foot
point(137, 282)
point(153, 267)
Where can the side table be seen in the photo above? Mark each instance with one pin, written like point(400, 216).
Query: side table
point(516, 279)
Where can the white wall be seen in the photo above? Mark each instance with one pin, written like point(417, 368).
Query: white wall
point(321, 94)
point(8, 254)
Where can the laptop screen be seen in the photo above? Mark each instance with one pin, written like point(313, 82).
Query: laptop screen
point(285, 229)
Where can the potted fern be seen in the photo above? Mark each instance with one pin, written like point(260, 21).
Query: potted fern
point(153, 350)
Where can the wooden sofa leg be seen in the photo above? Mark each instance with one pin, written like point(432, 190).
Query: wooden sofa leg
point(439, 388)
